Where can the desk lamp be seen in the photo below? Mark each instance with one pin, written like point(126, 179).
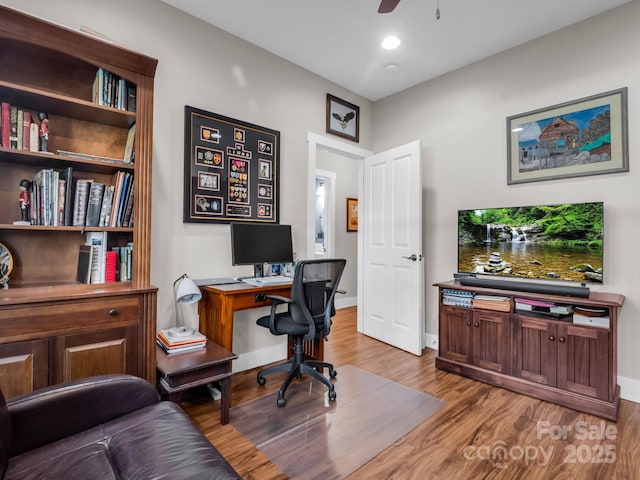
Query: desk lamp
point(185, 291)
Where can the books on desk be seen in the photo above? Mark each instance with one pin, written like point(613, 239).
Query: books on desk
point(171, 344)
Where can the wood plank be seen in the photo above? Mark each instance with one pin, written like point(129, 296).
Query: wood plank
point(475, 415)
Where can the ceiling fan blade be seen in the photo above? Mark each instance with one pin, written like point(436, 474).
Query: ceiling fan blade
point(387, 6)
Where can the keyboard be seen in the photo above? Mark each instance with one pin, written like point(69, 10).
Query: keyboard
point(265, 281)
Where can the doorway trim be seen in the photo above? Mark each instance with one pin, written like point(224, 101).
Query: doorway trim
point(317, 142)
point(329, 214)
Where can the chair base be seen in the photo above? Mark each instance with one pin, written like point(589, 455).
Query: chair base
point(297, 366)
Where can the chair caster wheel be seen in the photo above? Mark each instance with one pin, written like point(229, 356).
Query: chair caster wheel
point(281, 402)
point(261, 381)
point(333, 373)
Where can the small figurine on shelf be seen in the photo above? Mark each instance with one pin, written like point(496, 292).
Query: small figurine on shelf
point(43, 132)
point(25, 203)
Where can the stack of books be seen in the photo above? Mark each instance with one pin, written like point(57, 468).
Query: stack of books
point(457, 298)
point(184, 343)
point(542, 308)
point(492, 302)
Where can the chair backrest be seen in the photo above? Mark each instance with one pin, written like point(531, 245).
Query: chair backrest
point(313, 290)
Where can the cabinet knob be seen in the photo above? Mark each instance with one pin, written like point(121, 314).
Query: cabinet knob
point(561, 339)
point(468, 324)
point(476, 324)
point(112, 312)
point(552, 338)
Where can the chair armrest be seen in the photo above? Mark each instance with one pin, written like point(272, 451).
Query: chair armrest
point(277, 299)
point(58, 411)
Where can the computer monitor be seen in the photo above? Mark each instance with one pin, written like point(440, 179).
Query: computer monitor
point(256, 244)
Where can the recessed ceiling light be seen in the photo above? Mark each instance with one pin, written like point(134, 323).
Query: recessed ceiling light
point(390, 43)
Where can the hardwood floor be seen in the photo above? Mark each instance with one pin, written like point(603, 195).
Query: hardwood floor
point(482, 432)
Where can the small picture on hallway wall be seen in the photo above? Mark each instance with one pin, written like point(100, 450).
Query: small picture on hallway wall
point(352, 214)
point(343, 118)
point(574, 139)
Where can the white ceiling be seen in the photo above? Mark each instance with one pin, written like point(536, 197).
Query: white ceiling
point(340, 39)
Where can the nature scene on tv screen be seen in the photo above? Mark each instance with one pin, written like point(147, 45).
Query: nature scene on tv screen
point(562, 242)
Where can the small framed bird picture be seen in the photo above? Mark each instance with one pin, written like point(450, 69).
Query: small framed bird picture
point(343, 118)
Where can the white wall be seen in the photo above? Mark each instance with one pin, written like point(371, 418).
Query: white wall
point(204, 67)
point(459, 117)
point(347, 177)
point(461, 120)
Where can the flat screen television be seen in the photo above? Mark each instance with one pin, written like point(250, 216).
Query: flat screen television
point(544, 242)
point(256, 244)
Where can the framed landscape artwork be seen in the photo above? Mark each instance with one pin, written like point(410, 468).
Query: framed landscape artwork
point(343, 118)
point(573, 139)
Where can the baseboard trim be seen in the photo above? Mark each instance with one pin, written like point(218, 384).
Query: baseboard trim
point(431, 341)
point(258, 358)
point(344, 302)
point(629, 389)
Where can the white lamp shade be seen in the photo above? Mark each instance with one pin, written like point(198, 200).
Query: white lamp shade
point(187, 291)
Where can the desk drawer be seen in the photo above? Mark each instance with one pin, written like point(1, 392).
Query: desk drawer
point(248, 300)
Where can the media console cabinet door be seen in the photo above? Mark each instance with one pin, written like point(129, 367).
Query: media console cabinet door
point(583, 361)
point(535, 352)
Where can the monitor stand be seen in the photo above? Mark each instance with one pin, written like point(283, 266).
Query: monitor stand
point(258, 270)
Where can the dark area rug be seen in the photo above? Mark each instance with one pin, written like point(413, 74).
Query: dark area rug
point(313, 438)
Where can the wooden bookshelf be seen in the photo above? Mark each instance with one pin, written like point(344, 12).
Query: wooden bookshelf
point(53, 329)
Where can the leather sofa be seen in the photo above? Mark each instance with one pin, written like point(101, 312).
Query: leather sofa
point(105, 427)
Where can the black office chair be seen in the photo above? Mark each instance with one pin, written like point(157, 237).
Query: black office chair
point(308, 317)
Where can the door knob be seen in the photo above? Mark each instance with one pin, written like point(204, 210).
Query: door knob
point(413, 257)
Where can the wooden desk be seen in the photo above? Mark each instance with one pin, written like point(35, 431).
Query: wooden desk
point(181, 371)
point(218, 304)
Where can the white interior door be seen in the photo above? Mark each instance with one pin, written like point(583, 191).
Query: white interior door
point(391, 221)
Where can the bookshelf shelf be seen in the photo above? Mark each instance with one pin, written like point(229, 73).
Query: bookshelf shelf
point(45, 228)
point(52, 103)
point(76, 329)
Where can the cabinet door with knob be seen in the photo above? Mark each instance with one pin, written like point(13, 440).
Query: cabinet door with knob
point(491, 340)
point(48, 341)
point(534, 350)
point(570, 357)
point(584, 360)
point(478, 337)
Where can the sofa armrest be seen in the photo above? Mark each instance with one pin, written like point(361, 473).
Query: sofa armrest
point(55, 412)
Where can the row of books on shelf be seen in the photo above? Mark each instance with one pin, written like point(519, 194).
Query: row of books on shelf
point(18, 128)
point(58, 200)
point(182, 343)
point(113, 91)
point(99, 263)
